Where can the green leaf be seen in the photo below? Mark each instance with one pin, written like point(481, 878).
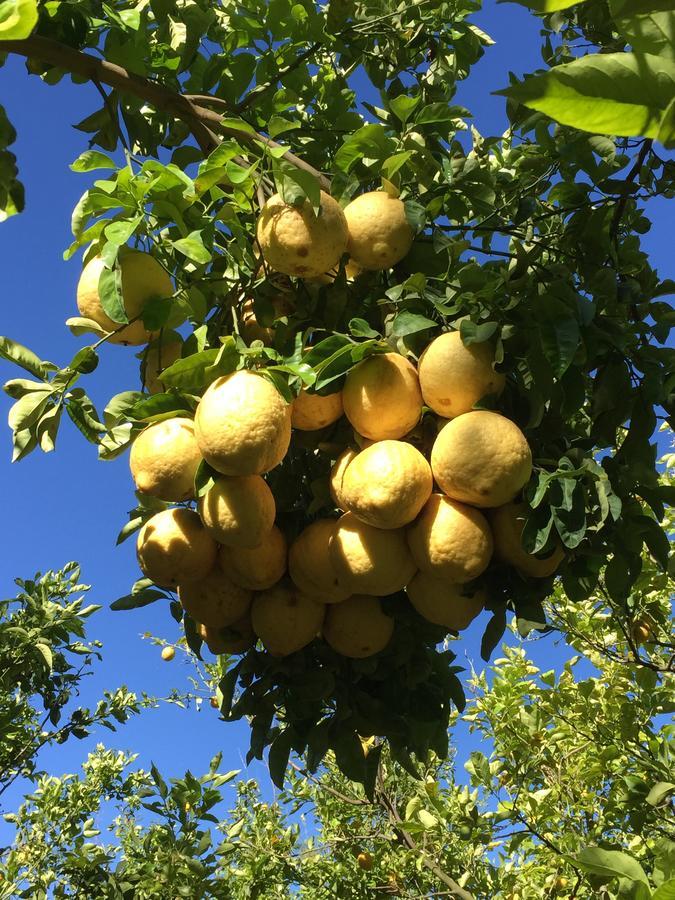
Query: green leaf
point(651, 30)
point(361, 328)
point(403, 106)
point(159, 406)
point(410, 323)
point(17, 19)
point(25, 358)
point(296, 186)
point(666, 891)
point(92, 159)
point(110, 292)
point(544, 7)
point(494, 630)
point(611, 863)
point(46, 654)
point(193, 247)
point(190, 373)
point(277, 761)
point(661, 791)
point(144, 597)
point(472, 333)
point(79, 326)
point(623, 94)
point(666, 133)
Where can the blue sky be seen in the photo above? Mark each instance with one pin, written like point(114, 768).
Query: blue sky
point(67, 505)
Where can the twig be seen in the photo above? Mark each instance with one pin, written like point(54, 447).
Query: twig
point(261, 89)
point(632, 175)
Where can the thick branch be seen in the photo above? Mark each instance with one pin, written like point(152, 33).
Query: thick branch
point(201, 120)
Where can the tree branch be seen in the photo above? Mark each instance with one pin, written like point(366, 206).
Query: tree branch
point(632, 175)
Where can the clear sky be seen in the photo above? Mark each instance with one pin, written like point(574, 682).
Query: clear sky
point(67, 505)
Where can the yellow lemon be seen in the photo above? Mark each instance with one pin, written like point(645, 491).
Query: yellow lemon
point(285, 620)
point(238, 512)
point(310, 565)
point(379, 232)
point(168, 654)
point(164, 459)
point(249, 327)
point(174, 547)
point(232, 639)
point(357, 627)
point(143, 279)
point(365, 861)
point(297, 242)
point(382, 397)
point(481, 458)
point(450, 540)
point(161, 354)
point(370, 560)
point(312, 411)
point(243, 424)
point(507, 523)
point(337, 474)
point(443, 602)
point(214, 600)
point(256, 568)
point(454, 377)
point(387, 484)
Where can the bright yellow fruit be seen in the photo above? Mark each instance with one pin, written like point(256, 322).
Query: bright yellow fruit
point(296, 242)
point(286, 620)
point(162, 353)
point(168, 654)
point(232, 639)
point(238, 512)
point(481, 458)
point(443, 602)
point(214, 601)
point(243, 424)
point(256, 568)
point(507, 523)
point(370, 560)
point(164, 459)
point(382, 397)
point(143, 279)
point(387, 484)
point(357, 627)
point(173, 547)
point(312, 411)
point(454, 377)
point(379, 233)
point(310, 565)
point(249, 327)
point(337, 474)
point(450, 541)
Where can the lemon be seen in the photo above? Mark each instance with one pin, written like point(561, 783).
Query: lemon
point(234, 638)
point(379, 233)
point(173, 547)
point(365, 861)
point(370, 560)
point(143, 279)
point(312, 411)
point(387, 484)
point(357, 627)
point(481, 458)
point(243, 424)
point(443, 602)
point(249, 327)
point(214, 600)
point(285, 620)
point(507, 523)
point(297, 242)
point(256, 568)
point(310, 565)
point(168, 654)
point(337, 474)
point(164, 459)
point(161, 353)
point(382, 397)
point(238, 512)
point(450, 540)
point(453, 377)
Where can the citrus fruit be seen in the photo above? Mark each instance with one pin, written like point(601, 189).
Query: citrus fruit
point(214, 600)
point(173, 547)
point(161, 353)
point(164, 459)
point(337, 474)
point(507, 524)
point(379, 232)
point(443, 602)
point(168, 654)
point(369, 560)
point(251, 329)
point(238, 511)
point(310, 565)
point(382, 397)
point(256, 568)
point(312, 411)
point(235, 638)
point(285, 619)
point(357, 627)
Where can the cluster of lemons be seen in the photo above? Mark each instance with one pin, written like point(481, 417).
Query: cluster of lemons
point(427, 520)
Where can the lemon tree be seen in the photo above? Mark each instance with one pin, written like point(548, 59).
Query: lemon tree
point(265, 236)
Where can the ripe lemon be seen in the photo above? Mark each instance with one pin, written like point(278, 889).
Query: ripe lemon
point(357, 627)
point(234, 638)
point(243, 424)
point(168, 654)
point(214, 600)
point(370, 560)
point(387, 484)
point(481, 458)
point(312, 411)
point(164, 459)
point(443, 602)
point(379, 233)
point(256, 568)
point(297, 242)
point(450, 540)
point(365, 861)
point(507, 523)
point(238, 512)
point(143, 279)
point(454, 377)
point(337, 474)
point(382, 397)
point(161, 353)
point(310, 565)
point(173, 547)
point(285, 620)
point(249, 327)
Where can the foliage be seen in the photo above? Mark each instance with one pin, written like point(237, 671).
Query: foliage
point(530, 240)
